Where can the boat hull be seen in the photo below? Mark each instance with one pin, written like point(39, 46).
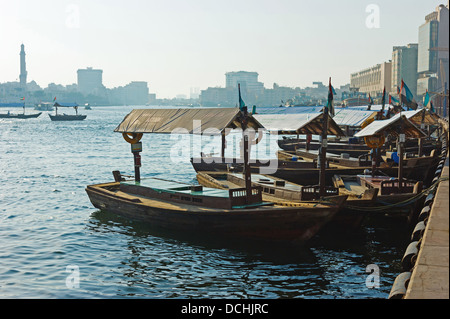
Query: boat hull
point(292, 196)
point(20, 116)
point(305, 173)
point(387, 203)
point(294, 225)
point(67, 117)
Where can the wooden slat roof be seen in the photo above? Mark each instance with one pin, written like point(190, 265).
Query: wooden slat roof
point(191, 121)
point(303, 123)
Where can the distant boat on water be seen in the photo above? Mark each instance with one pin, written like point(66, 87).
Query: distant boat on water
point(18, 115)
point(66, 117)
point(44, 106)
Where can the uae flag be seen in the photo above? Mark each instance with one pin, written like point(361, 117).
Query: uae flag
point(241, 101)
point(392, 100)
point(330, 99)
point(426, 100)
point(406, 97)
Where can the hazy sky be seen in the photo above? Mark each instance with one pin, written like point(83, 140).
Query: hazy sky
point(178, 44)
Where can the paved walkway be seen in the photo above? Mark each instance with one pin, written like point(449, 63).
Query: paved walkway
point(430, 277)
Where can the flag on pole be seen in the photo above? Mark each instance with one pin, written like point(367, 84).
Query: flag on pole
point(426, 100)
point(330, 99)
point(54, 99)
point(22, 98)
point(241, 101)
point(332, 90)
point(370, 100)
point(407, 97)
point(431, 107)
point(392, 100)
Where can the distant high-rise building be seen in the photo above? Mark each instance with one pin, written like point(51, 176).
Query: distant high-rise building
point(404, 66)
point(372, 80)
point(90, 80)
point(433, 55)
point(137, 93)
point(249, 80)
point(23, 68)
point(251, 89)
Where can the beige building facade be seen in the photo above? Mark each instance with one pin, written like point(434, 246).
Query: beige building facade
point(372, 80)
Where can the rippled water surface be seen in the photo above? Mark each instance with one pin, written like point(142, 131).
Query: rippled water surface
point(49, 230)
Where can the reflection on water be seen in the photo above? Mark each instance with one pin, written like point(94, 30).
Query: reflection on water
point(333, 265)
point(48, 224)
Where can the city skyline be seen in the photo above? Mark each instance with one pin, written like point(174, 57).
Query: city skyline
point(179, 45)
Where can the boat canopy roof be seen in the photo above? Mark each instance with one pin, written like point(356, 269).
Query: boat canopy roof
point(190, 121)
point(302, 123)
point(429, 118)
point(353, 118)
point(393, 126)
point(57, 104)
point(11, 104)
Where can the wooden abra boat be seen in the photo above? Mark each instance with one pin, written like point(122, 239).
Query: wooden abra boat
point(67, 117)
point(212, 212)
point(301, 172)
point(237, 213)
point(336, 146)
point(390, 196)
point(19, 116)
point(273, 189)
point(286, 193)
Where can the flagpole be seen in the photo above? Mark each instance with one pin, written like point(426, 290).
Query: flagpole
point(323, 144)
point(244, 122)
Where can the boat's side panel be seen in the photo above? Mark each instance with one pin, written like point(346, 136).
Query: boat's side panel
point(67, 117)
point(291, 224)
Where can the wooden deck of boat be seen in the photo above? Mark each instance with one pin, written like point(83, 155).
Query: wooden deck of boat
point(171, 186)
point(354, 187)
point(224, 183)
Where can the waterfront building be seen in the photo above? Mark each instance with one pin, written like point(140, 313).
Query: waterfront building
point(216, 96)
point(251, 89)
point(137, 92)
point(433, 55)
point(372, 80)
point(90, 81)
point(404, 66)
point(134, 93)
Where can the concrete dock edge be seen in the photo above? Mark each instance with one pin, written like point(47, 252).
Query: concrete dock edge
point(430, 275)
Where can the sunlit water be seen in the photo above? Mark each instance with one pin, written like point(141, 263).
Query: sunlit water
point(49, 229)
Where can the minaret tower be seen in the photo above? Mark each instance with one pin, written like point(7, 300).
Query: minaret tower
point(23, 68)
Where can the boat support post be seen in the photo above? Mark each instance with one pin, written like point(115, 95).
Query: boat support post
point(400, 144)
point(136, 149)
point(247, 173)
point(323, 152)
